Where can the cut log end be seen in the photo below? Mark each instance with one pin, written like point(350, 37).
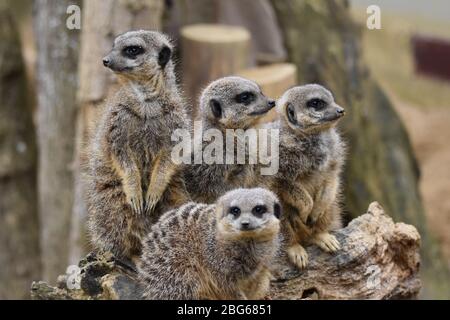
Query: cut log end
point(379, 259)
point(215, 33)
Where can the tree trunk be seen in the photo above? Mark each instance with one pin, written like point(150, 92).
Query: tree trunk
point(57, 83)
point(19, 228)
point(323, 41)
point(103, 20)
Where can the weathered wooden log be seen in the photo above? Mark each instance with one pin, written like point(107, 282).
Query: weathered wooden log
point(379, 260)
point(211, 51)
point(274, 80)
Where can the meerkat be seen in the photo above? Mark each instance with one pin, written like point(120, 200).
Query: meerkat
point(311, 155)
point(227, 103)
point(217, 251)
point(130, 178)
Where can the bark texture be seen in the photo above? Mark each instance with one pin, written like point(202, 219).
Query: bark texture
point(57, 82)
point(324, 43)
point(19, 227)
point(379, 260)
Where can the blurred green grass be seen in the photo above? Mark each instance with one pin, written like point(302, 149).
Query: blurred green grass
point(389, 55)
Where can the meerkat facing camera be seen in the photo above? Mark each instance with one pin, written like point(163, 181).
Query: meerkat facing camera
point(227, 103)
point(130, 176)
point(312, 155)
point(219, 251)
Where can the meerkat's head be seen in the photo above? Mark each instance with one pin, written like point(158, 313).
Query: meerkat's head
point(140, 55)
point(309, 108)
point(248, 214)
point(234, 103)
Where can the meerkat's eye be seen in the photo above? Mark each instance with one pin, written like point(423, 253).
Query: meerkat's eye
point(245, 97)
point(316, 104)
point(259, 210)
point(235, 211)
point(291, 113)
point(133, 51)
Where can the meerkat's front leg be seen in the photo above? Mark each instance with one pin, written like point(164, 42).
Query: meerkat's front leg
point(324, 198)
point(296, 254)
point(299, 198)
point(258, 285)
point(131, 181)
point(163, 170)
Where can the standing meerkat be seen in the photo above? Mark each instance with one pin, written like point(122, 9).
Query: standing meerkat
point(130, 175)
point(227, 103)
point(218, 251)
point(312, 155)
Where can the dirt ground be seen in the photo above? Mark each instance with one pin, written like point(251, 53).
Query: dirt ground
point(429, 131)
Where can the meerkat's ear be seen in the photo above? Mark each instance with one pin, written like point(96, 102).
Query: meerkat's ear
point(216, 108)
point(290, 113)
point(164, 56)
point(277, 210)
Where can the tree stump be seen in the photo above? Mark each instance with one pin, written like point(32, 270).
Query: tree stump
point(274, 80)
point(379, 259)
point(211, 51)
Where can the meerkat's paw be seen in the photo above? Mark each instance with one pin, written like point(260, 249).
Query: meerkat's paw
point(298, 256)
point(136, 202)
point(151, 200)
point(327, 242)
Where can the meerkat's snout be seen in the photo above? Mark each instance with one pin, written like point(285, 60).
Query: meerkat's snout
point(106, 62)
point(271, 104)
point(334, 113)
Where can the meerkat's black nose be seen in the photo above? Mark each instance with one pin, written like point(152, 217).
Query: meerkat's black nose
point(245, 225)
point(341, 111)
point(106, 62)
point(271, 103)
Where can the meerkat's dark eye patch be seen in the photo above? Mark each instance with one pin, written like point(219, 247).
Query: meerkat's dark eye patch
point(277, 210)
point(216, 108)
point(291, 113)
point(164, 56)
point(133, 51)
point(258, 211)
point(246, 97)
point(316, 104)
point(235, 211)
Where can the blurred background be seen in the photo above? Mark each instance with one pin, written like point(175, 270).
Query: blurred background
point(394, 82)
